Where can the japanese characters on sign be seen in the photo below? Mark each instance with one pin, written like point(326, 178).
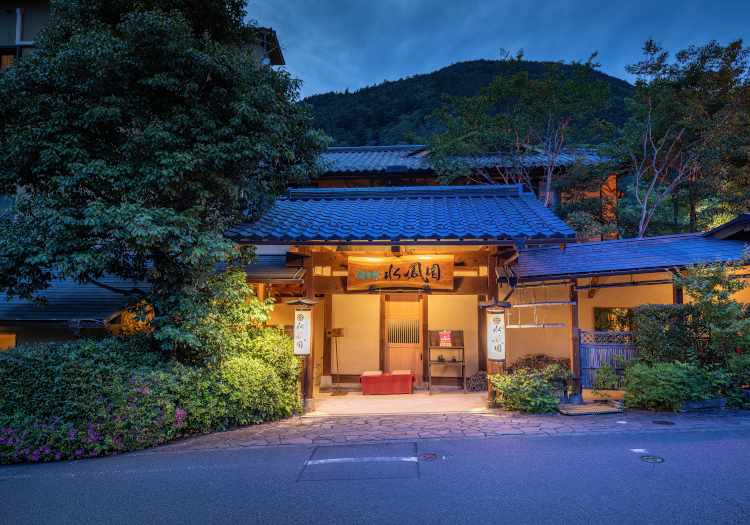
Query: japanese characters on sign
point(302, 331)
point(495, 334)
point(410, 271)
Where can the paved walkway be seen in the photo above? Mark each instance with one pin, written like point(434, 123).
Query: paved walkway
point(314, 430)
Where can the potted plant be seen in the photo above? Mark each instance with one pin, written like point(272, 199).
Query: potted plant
point(575, 398)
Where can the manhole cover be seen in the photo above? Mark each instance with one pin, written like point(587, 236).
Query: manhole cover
point(652, 459)
point(663, 422)
point(427, 457)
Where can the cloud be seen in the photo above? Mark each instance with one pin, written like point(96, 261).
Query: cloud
point(337, 44)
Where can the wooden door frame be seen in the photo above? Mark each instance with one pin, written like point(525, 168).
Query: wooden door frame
point(423, 319)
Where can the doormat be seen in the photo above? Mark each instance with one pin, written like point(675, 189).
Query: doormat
point(588, 409)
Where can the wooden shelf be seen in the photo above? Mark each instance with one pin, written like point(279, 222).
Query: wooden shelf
point(457, 343)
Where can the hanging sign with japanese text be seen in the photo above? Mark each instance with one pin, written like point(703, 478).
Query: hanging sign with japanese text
point(302, 331)
point(495, 334)
point(409, 271)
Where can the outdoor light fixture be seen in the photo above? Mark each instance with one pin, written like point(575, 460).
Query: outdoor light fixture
point(495, 312)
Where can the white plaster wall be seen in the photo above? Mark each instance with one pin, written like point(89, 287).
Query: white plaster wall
point(358, 349)
point(456, 312)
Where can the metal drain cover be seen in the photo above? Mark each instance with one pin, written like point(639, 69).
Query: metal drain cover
point(663, 422)
point(427, 457)
point(652, 459)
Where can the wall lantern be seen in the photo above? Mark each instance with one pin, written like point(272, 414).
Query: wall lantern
point(303, 326)
point(495, 316)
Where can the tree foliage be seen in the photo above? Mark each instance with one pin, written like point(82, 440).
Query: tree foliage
point(498, 128)
point(384, 114)
point(132, 138)
point(689, 124)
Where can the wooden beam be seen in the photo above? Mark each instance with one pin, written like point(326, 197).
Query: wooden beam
point(340, 259)
point(466, 286)
point(425, 336)
point(592, 292)
point(327, 323)
point(307, 291)
point(575, 349)
point(482, 339)
point(461, 286)
point(381, 346)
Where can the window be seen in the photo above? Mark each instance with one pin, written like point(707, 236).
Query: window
point(613, 319)
point(7, 340)
point(6, 60)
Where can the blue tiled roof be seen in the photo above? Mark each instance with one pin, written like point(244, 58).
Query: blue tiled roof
point(625, 256)
point(415, 158)
point(404, 214)
point(69, 300)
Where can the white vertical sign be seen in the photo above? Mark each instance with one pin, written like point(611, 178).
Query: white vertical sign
point(495, 334)
point(302, 331)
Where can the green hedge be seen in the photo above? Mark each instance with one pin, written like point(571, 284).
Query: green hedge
point(96, 397)
point(664, 386)
point(666, 333)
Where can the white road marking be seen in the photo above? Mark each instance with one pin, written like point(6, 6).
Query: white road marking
point(622, 422)
point(638, 450)
point(359, 460)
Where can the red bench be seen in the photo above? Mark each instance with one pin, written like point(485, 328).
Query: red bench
point(397, 382)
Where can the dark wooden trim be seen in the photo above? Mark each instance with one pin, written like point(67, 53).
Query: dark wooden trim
point(449, 381)
point(381, 345)
point(575, 349)
point(461, 286)
point(327, 323)
point(345, 378)
point(425, 336)
point(482, 336)
point(307, 291)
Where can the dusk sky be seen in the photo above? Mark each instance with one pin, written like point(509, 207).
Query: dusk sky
point(337, 44)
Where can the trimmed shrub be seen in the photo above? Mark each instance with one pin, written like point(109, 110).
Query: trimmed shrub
point(664, 386)
point(88, 398)
point(666, 333)
point(528, 390)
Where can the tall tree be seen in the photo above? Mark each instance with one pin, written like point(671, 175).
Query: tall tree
point(689, 121)
point(518, 116)
point(133, 137)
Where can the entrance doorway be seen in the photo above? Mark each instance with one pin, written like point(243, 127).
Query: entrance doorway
point(403, 329)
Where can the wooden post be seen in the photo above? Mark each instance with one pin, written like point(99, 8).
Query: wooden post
point(327, 323)
point(425, 336)
point(307, 291)
point(482, 339)
point(575, 349)
point(381, 346)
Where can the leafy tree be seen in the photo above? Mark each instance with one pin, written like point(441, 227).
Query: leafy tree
point(132, 138)
point(711, 287)
point(498, 128)
point(688, 124)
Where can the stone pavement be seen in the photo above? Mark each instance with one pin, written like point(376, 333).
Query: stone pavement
point(328, 430)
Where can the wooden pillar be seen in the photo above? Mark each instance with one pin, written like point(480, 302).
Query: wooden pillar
point(381, 344)
point(575, 349)
point(425, 336)
point(307, 291)
point(482, 339)
point(327, 323)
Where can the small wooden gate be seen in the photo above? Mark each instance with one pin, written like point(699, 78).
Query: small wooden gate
point(597, 348)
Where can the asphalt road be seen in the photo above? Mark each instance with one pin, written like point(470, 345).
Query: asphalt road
point(704, 478)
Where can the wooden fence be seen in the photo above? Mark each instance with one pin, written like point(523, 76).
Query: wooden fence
point(597, 348)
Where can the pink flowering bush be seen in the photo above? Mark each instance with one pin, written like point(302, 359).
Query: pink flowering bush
point(90, 398)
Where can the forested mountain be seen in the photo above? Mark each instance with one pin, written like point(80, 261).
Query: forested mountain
point(380, 115)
